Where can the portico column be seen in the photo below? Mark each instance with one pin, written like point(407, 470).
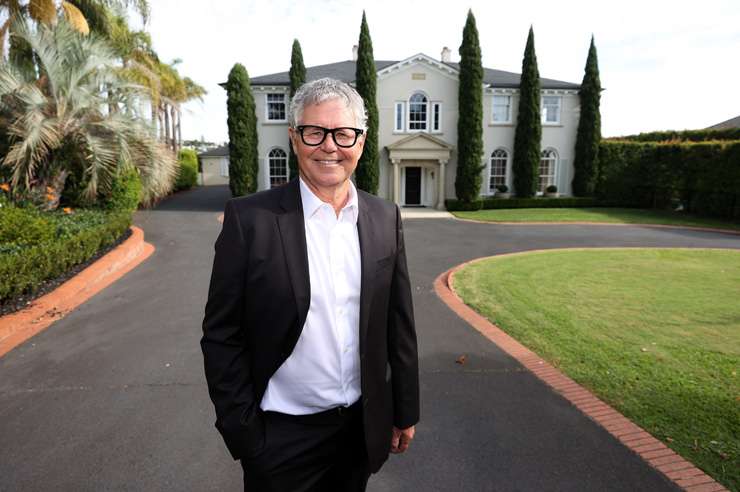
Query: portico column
point(441, 185)
point(396, 181)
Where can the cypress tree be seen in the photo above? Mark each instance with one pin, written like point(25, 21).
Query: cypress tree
point(367, 170)
point(242, 123)
point(470, 119)
point(297, 79)
point(589, 128)
point(528, 126)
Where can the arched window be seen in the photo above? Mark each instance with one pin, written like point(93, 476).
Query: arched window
point(499, 159)
point(548, 160)
point(418, 109)
point(278, 162)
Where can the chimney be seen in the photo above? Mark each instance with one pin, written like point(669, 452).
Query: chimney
point(445, 54)
point(354, 53)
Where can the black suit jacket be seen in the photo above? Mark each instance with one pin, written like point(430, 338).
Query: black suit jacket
point(257, 305)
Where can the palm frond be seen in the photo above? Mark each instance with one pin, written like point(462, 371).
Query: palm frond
point(43, 11)
point(75, 17)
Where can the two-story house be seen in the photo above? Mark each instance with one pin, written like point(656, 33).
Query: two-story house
point(417, 136)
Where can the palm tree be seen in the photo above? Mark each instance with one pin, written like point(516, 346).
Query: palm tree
point(58, 124)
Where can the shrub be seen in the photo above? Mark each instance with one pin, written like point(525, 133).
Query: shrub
point(76, 238)
point(187, 169)
point(551, 189)
point(705, 176)
point(125, 192)
point(460, 205)
point(23, 225)
point(681, 136)
point(502, 188)
point(566, 202)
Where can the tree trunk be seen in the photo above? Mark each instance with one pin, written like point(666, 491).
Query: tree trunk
point(160, 118)
point(175, 123)
point(179, 129)
point(49, 191)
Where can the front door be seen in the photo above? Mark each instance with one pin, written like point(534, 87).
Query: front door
point(413, 186)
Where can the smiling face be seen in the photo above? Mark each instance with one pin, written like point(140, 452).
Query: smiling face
point(327, 167)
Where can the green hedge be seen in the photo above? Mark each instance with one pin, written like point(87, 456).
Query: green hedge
point(498, 203)
point(703, 176)
point(25, 264)
point(684, 136)
point(187, 173)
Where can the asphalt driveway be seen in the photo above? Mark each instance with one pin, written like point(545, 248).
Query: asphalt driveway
point(113, 397)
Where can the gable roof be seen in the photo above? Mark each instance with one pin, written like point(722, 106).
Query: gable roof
point(731, 123)
point(345, 71)
point(220, 151)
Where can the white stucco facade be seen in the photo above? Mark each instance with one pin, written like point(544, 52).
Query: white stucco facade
point(418, 159)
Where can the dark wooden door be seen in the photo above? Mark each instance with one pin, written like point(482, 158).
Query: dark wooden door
point(413, 186)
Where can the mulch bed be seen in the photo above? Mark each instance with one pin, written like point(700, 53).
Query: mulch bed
point(12, 305)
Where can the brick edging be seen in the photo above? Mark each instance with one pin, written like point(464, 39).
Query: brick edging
point(680, 471)
point(614, 224)
point(17, 327)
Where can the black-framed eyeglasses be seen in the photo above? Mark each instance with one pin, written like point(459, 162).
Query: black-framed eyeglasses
point(315, 135)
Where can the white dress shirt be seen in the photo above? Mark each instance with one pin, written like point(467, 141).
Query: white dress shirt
point(323, 371)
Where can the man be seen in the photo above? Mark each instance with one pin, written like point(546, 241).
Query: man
point(308, 337)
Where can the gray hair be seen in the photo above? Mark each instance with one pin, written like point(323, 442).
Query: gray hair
point(318, 91)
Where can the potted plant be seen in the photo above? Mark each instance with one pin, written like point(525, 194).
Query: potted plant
point(502, 191)
point(551, 191)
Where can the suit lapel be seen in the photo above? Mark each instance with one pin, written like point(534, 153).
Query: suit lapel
point(293, 237)
point(365, 231)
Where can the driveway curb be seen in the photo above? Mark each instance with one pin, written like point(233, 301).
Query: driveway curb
point(618, 224)
point(16, 328)
point(680, 471)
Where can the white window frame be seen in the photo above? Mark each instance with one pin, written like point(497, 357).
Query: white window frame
point(267, 107)
point(506, 157)
point(493, 110)
point(399, 109)
point(436, 124)
point(559, 109)
point(553, 178)
point(270, 156)
point(408, 114)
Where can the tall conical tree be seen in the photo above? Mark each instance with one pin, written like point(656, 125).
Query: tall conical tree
point(589, 128)
point(470, 118)
point(242, 123)
point(297, 79)
point(367, 170)
point(528, 125)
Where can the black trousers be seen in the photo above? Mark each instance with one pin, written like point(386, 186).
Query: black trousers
point(323, 452)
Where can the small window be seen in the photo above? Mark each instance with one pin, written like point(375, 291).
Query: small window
point(436, 117)
point(275, 107)
point(418, 112)
point(548, 159)
point(399, 124)
point(502, 109)
point(499, 159)
point(278, 163)
point(551, 110)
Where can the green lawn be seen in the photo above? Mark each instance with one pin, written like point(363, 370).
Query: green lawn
point(653, 332)
point(604, 214)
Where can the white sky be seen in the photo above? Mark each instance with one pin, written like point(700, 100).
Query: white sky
point(664, 64)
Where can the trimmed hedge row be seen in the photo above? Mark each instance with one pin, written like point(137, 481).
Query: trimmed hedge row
point(187, 172)
point(37, 246)
point(703, 176)
point(24, 266)
point(684, 136)
point(499, 203)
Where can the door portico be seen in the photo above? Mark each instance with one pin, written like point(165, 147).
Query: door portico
point(419, 163)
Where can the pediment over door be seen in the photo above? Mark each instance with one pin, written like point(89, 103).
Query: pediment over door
point(420, 146)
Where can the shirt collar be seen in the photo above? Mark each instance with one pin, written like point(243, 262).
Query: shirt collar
point(311, 203)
